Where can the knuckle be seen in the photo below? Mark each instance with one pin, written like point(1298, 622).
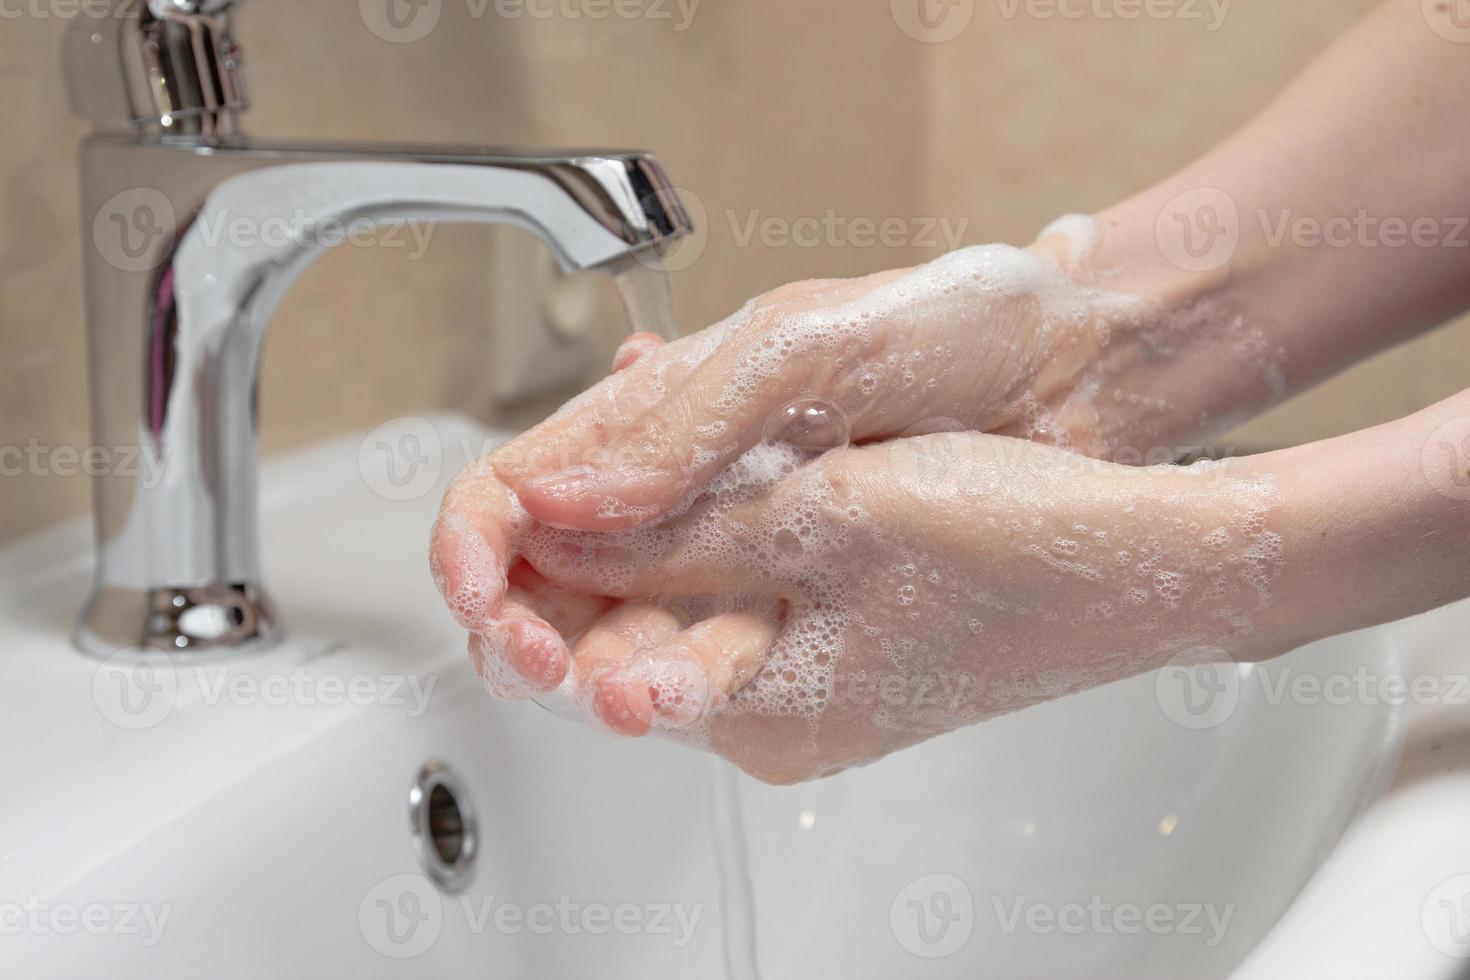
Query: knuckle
point(705, 646)
point(663, 440)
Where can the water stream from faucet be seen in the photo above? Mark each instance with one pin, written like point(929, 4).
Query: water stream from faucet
point(648, 297)
point(732, 862)
point(647, 294)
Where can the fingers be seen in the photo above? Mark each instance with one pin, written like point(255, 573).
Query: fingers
point(520, 655)
point(469, 550)
point(569, 613)
point(524, 651)
point(678, 444)
point(607, 649)
point(782, 349)
point(583, 424)
point(634, 348)
point(472, 541)
point(475, 538)
point(695, 554)
point(676, 682)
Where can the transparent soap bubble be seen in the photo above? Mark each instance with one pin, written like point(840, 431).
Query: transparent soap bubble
point(812, 424)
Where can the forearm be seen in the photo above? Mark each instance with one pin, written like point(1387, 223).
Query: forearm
point(1375, 525)
point(1330, 227)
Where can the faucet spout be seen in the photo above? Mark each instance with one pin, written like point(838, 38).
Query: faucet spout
point(178, 567)
point(177, 308)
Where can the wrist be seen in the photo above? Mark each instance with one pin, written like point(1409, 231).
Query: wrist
point(1373, 523)
point(1182, 359)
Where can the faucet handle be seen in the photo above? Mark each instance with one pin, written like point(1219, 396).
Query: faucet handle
point(164, 65)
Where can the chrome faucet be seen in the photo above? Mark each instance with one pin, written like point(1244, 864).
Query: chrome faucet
point(176, 315)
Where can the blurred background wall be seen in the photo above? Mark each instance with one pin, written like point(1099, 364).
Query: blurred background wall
point(827, 110)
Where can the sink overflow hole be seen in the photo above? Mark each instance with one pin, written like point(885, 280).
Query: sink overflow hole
point(443, 826)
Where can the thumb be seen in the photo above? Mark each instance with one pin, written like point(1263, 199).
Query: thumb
point(634, 349)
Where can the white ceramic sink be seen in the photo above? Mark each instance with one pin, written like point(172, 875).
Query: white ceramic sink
point(261, 829)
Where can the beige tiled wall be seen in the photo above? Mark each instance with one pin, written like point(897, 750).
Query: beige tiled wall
point(760, 108)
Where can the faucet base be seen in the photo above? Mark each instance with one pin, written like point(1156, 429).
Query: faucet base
point(200, 620)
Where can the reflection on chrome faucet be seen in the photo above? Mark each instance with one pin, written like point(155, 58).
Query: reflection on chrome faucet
point(177, 310)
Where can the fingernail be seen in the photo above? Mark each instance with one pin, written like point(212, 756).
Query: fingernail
point(539, 652)
point(570, 482)
point(618, 709)
point(679, 690)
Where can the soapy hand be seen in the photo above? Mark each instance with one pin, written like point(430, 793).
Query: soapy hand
point(991, 338)
point(633, 541)
point(804, 615)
